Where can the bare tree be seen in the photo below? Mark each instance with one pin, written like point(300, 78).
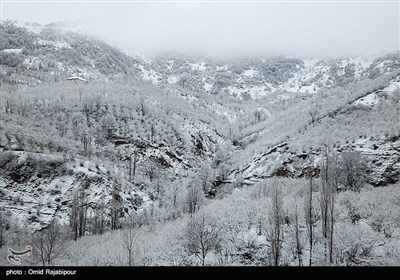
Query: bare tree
point(98, 220)
point(142, 106)
point(115, 206)
point(80, 93)
point(354, 170)
point(151, 169)
point(310, 212)
point(313, 112)
point(86, 142)
point(152, 133)
point(203, 234)
point(108, 122)
point(276, 223)
point(78, 215)
point(3, 226)
point(73, 219)
point(205, 175)
point(330, 174)
point(49, 244)
point(132, 164)
point(183, 80)
point(129, 242)
point(88, 107)
point(194, 198)
point(296, 228)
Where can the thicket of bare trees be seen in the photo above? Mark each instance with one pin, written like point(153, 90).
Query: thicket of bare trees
point(331, 174)
point(49, 243)
point(275, 218)
point(78, 216)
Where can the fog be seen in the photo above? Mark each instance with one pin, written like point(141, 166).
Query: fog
point(229, 29)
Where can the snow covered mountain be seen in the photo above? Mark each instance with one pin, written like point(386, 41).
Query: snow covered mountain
point(258, 78)
point(160, 127)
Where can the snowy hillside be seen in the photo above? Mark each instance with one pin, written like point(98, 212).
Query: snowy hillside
point(48, 53)
point(99, 145)
point(254, 79)
point(36, 188)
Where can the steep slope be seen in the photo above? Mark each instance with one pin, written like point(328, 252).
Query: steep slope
point(363, 118)
point(33, 54)
point(55, 138)
point(36, 188)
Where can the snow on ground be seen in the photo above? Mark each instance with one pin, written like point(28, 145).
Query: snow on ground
point(16, 51)
point(250, 73)
point(198, 66)
point(309, 89)
point(394, 85)
point(361, 63)
point(172, 80)
point(222, 68)
point(37, 198)
point(30, 26)
point(381, 66)
point(56, 44)
point(310, 63)
point(32, 62)
point(207, 87)
point(149, 75)
point(219, 110)
point(255, 92)
point(298, 83)
point(369, 100)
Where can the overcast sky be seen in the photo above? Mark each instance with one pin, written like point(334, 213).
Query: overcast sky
point(230, 29)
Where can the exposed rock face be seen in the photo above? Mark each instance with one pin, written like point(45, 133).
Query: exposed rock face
point(37, 188)
point(381, 155)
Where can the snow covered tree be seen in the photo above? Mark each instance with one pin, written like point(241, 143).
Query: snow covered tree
point(3, 227)
point(194, 198)
point(296, 239)
point(354, 170)
point(276, 224)
point(202, 235)
point(330, 175)
point(115, 206)
point(206, 176)
point(129, 241)
point(49, 244)
point(133, 158)
point(311, 215)
point(78, 216)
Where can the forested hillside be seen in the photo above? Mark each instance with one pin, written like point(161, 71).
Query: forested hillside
point(277, 161)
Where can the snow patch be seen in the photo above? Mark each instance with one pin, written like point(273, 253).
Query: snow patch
point(172, 80)
point(395, 85)
point(369, 100)
point(207, 87)
point(198, 66)
point(57, 44)
point(250, 73)
point(149, 75)
point(222, 68)
point(16, 51)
